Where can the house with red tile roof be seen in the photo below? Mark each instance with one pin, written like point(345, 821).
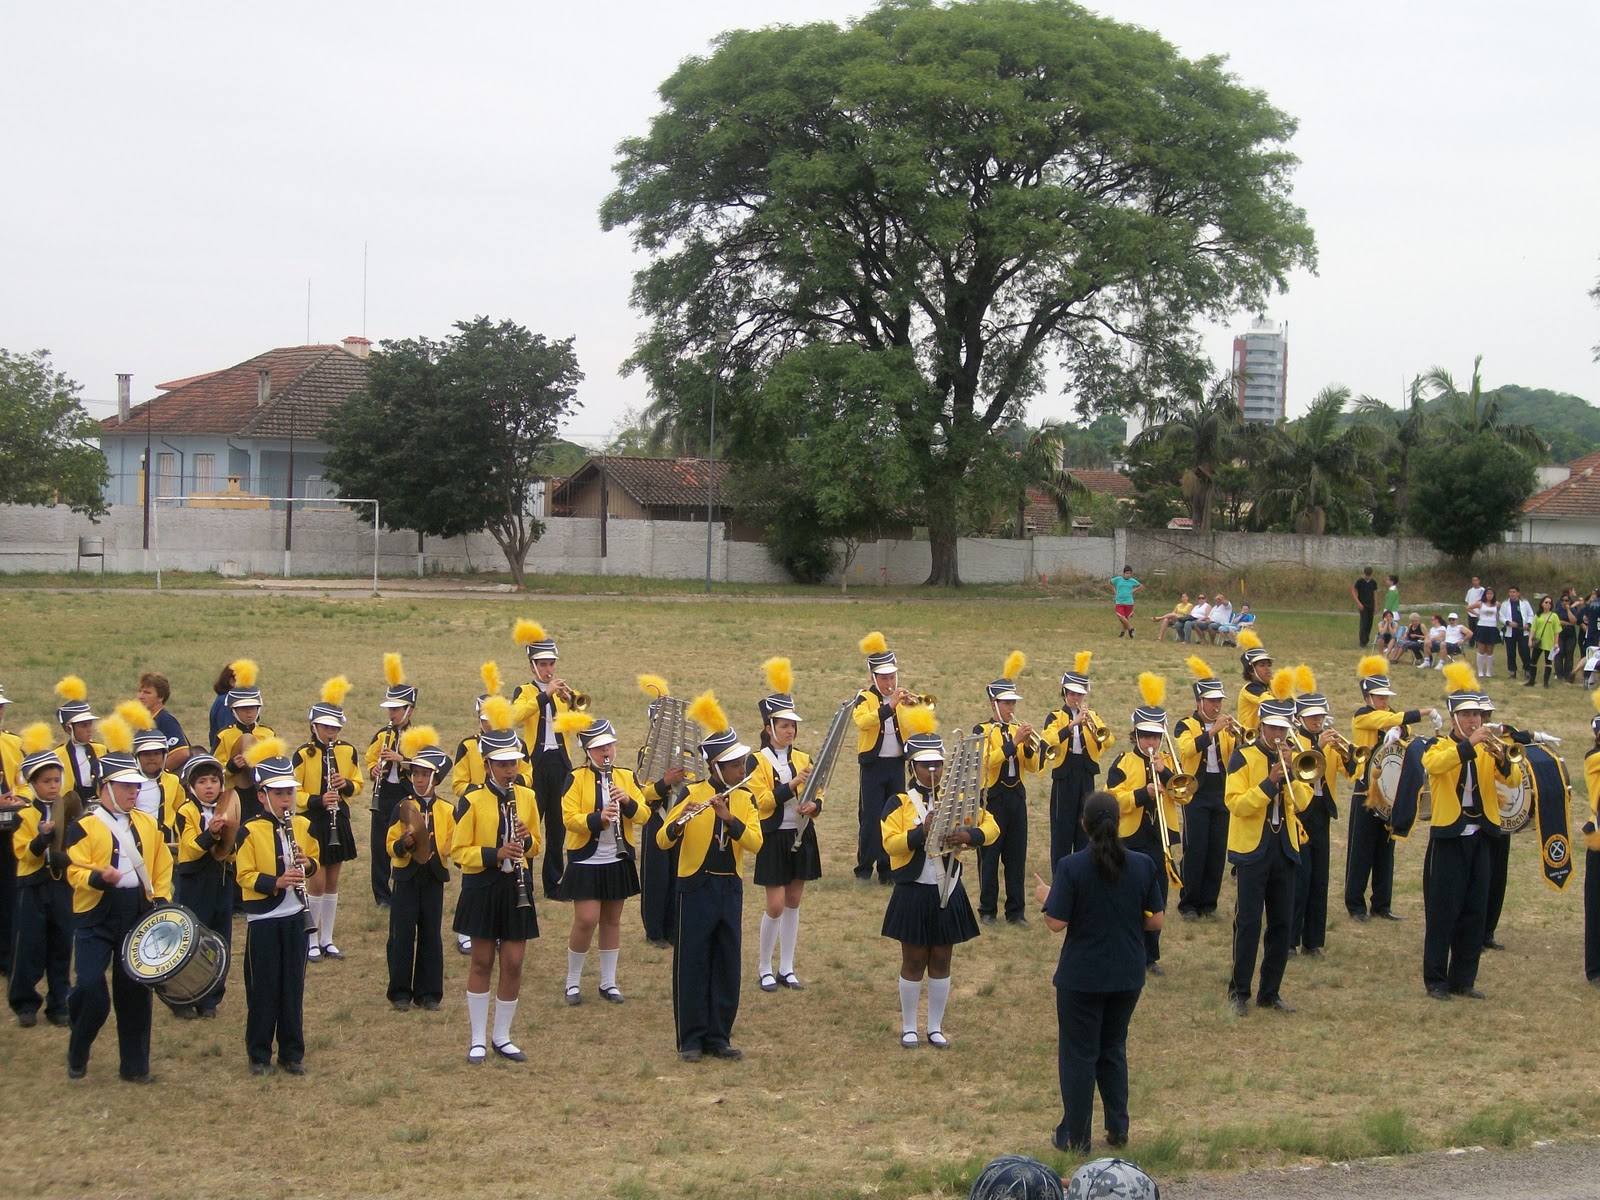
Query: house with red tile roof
point(237, 425)
point(1567, 512)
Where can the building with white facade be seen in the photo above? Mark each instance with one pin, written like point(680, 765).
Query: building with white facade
point(1261, 364)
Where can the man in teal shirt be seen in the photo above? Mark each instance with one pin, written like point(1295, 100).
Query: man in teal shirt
point(1126, 585)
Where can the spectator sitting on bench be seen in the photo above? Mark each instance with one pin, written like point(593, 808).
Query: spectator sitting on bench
point(1180, 610)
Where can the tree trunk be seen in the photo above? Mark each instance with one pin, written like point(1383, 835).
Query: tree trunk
point(514, 543)
point(943, 534)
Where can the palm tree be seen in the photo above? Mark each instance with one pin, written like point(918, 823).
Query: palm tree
point(1461, 414)
point(1402, 432)
point(1205, 435)
point(1038, 465)
point(1318, 465)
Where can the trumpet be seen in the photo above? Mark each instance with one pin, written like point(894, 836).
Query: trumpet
point(1510, 752)
point(577, 701)
point(929, 700)
point(1097, 727)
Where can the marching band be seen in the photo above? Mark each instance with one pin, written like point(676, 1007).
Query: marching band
point(107, 841)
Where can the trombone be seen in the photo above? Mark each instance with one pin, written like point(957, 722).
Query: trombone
point(1182, 785)
point(1163, 830)
point(1307, 766)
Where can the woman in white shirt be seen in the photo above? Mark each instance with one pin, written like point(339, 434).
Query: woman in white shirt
point(1485, 618)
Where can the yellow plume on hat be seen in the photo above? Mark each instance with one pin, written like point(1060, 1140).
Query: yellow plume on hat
point(1596, 698)
point(490, 674)
point(1080, 662)
point(780, 674)
point(1199, 667)
point(1015, 661)
point(136, 714)
point(394, 671)
point(72, 688)
point(1282, 684)
point(1372, 664)
point(497, 711)
point(1248, 640)
point(335, 690)
point(266, 748)
point(418, 738)
point(1458, 677)
point(37, 738)
point(245, 672)
point(1153, 689)
point(1304, 680)
point(919, 718)
point(708, 714)
point(117, 734)
point(573, 722)
point(654, 686)
point(874, 643)
point(526, 632)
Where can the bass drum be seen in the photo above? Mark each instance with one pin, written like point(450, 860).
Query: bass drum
point(1516, 804)
point(169, 951)
point(1384, 773)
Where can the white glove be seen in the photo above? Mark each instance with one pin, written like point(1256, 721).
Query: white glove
point(1547, 739)
point(1392, 736)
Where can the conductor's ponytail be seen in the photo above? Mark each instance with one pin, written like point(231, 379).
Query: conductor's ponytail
point(1101, 817)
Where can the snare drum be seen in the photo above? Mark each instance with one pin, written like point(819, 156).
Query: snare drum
point(170, 951)
point(1384, 772)
point(1516, 804)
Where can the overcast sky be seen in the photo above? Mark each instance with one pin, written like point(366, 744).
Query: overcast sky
point(175, 173)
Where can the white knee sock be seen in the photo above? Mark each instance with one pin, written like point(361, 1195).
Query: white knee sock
point(575, 966)
point(788, 935)
point(938, 996)
point(478, 1015)
point(330, 906)
point(313, 935)
point(769, 939)
point(608, 968)
point(504, 1010)
point(910, 996)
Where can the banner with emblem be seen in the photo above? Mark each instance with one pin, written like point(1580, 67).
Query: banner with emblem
point(1547, 775)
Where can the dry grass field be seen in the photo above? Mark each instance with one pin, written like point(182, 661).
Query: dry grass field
point(825, 1102)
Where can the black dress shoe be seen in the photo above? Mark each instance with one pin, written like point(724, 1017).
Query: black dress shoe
point(1357, 916)
point(294, 1068)
point(661, 943)
point(1277, 1004)
point(430, 1006)
point(1438, 993)
point(511, 1051)
point(1019, 922)
point(989, 918)
point(1490, 943)
point(1154, 968)
point(400, 1005)
point(692, 1054)
point(145, 1078)
point(187, 1012)
point(261, 1068)
point(1387, 915)
point(208, 1014)
point(1068, 1147)
point(1188, 914)
point(76, 1072)
point(1471, 993)
point(1239, 1005)
point(1116, 1140)
point(728, 1052)
point(59, 1020)
point(27, 1019)
point(1318, 952)
point(1294, 951)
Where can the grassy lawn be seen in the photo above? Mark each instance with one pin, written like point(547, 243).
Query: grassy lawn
point(825, 1102)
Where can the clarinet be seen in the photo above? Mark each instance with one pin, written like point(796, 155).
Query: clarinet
point(333, 813)
point(514, 831)
point(616, 821)
point(286, 832)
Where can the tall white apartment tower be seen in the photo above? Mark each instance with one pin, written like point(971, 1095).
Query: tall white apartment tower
point(1261, 361)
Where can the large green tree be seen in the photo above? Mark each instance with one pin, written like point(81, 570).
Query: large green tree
point(450, 436)
point(1465, 493)
point(47, 441)
point(966, 193)
point(1201, 437)
point(1318, 469)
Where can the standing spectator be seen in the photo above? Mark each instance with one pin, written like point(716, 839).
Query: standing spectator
point(1485, 618)
point(1391, 598)
point(1125, 586)
point(155, 692)
point(1567, 612)
point(1545, 633)
point(1516, 626)
point(1105, 898)
point(1180, 610)
point(1474, 594)
point(221, 714)
point(1364, 592)
point(1591, 636)
point(1413, 638)
point(1192, 629)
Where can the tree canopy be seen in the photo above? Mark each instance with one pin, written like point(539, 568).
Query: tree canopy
point(1466, 493)
point(48, 453)
point(450, 436)
point(957, 196)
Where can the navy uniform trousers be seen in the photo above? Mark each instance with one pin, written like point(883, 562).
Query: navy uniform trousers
point(658, 881)
point(274, 988)
point(385, 796)
point(1266, 884)
point(1092, 1028)
point(98, 948)
point(1147, 840)
point(1591, 915)
point(1499, 870)
point(1008, 805)
point(1455, 896)
point(8, 899)
point(1310, 928)
point(1205, 846)
point(416, 954)
point(1070, 785)
point(550, 771)
point(882, 780)
point(41, 947)
point(705, 961)
point(1369, 857)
